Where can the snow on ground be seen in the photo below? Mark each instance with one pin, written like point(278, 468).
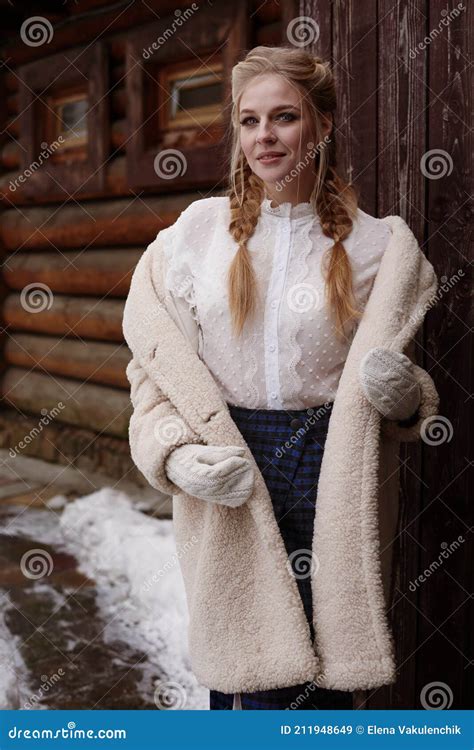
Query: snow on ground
point(14, 682)
point(132, 558)
point(140, 592)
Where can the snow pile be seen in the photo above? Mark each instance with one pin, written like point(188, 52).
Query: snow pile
point(133, 560)
point(14, 689)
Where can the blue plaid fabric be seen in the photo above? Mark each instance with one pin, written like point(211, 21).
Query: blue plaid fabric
point(288, 448)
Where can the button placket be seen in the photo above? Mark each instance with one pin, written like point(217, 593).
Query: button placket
point(274, 297)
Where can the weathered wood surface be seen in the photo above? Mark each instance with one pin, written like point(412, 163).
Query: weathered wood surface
point(104, 410)
point(92, 361)
point(96, 224)
point(87, 317)
point(92, 272)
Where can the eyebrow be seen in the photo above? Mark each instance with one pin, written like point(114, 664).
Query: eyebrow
point(275, 109)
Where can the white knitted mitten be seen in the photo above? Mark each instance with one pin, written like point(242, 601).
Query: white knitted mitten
point(219, 474)
point(389, 383)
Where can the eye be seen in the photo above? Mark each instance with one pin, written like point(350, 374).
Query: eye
point(292, 117)
point(246, 119)
point(288, 114)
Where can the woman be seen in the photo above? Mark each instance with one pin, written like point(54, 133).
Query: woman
point(247, 372)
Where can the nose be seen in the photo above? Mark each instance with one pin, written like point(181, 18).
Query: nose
point(264, 132)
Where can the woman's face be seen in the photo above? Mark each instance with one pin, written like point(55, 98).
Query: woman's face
point(272, 119)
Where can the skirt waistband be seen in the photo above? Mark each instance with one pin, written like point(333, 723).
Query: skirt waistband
point(294, 418)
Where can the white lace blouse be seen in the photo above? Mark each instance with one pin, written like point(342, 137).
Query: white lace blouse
point(288, 356)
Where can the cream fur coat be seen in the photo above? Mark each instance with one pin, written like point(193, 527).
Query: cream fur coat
point(247, 626)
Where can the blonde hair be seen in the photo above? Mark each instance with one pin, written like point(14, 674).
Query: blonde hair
point(333, 200)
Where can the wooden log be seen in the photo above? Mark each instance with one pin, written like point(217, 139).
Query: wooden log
point(94, 361)
point(97, 224)
point(81, 448)
point(105, 410)
point(83, 27)
point(115, 182)
point(87, 317)
point(90, 272)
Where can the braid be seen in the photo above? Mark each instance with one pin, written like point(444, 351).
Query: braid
point(336, 222)
point(244, 214)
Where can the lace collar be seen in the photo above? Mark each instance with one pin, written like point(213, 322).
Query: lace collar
point(287, 210)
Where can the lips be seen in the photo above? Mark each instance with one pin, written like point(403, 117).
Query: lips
point(270, 154)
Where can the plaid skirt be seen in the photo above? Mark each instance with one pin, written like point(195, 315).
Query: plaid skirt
point(288, 448)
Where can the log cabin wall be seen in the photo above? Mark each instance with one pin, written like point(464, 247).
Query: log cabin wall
point(71, 242)
point(404, 101)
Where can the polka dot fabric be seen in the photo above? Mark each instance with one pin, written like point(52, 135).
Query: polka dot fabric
point(288, 356)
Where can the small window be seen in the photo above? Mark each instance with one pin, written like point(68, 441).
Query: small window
point(67, 120)
point(194, 97)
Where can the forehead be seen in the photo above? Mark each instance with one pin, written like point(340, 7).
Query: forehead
point(268, 91)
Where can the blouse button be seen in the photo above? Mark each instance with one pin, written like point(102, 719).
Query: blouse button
point(273, 395)
point(272, 347)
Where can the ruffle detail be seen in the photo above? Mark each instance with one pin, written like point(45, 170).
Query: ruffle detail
point(179, 279)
